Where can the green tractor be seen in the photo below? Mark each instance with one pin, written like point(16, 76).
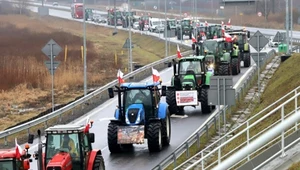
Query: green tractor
point(214, 31)
point(243, 44)
point(189, 85)
point(89, 14)
point(125, 19)
point(221, 55)
point(171, 24)
point(185, 27)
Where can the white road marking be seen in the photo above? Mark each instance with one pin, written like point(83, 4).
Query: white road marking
point(106, 118)
point(179, 116)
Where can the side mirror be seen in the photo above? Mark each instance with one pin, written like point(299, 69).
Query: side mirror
point(248, 34)
point(197, 51)
point(193, 46)
point(30, 138)
point(169, 64)
point(92, 137)
point(110, 92)
point(163, 90)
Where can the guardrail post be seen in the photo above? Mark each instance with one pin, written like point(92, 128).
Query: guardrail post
point(72, 112)
point(219, 155)
point(46, 124)
point(202, 160)
point(206, 127)
point(282, 134)
point(174, 160)
point(248, 138)
point(60, 118)
point(5, 141)
point(296, 124)
point(187, 150)
point(215, 122)
point(28, 132)
point(198, 140)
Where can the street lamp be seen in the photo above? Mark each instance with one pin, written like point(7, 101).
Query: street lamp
point(166, 42)
point(130, 46)
point(84, 52)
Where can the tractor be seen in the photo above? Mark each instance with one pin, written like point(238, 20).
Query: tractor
point(144, 22)
point(220, 54)
point(243, 44)
point(189, 85)
point(111, 14)
point(68, 147)
point(9, 159)
point(171, 24)
point(214, 31)
point(139, 115)
point(89, 14)
point(184, 28)
point(125, 19)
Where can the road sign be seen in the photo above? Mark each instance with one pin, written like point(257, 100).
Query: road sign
point(259, 14)
point(258, 41)
point(127, 44)
point(155, 7)
point(221, 91)
point(55, 65)
point(279, 37)
point(51, 45)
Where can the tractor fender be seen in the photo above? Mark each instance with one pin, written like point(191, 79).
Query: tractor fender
point(117, 113)
point(92, 157)
point(162, 110)
point(172, 81)
point(207, 78)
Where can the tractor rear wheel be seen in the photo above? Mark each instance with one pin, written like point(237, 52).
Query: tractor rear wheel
point(235, 66)
point(112, 137)
point(190, 36)
point(205, 108)
point(223, 69)
point(171, 100)
point(179, 35)
point(154, 136)
point(247, 60)
point(99, 162)
point(166, 130)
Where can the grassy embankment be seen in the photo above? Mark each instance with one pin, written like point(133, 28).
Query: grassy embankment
point(26, 83)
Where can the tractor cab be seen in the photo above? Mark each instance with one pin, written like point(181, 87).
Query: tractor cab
point(171, 24)
point(68, 146)
point(10, 160)
point(214, 31)
point(184, 28)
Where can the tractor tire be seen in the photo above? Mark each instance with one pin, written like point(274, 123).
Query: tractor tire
point(205, 108)
point(190, 36)
point(166, 130)
point(154, 136)
point(223, 69)
point(112, 137)
point(235, 66)
point(178, 35)
point(171, 100)
point(247, 60)
point(99, 162)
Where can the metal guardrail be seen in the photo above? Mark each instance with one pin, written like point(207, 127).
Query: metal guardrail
point(212, 120)
point(138, 75)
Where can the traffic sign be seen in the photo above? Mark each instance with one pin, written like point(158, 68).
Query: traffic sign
point(279, 37)
point(155, 7)
point(258, 41)
point(55, 65)
point(127, 44)
point(51, 49)
point(259, 14)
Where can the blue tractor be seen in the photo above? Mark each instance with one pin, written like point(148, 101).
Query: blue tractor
point(139, 115)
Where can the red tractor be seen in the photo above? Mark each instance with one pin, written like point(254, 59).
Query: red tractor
point(68, 147)
point(11, 160)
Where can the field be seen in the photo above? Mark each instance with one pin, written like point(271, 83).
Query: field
point(26, 83)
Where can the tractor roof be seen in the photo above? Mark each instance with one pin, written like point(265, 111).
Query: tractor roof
point(7, 153)
point(216, 39)
point(139, 85)
point(192, 57)
point(65, 128)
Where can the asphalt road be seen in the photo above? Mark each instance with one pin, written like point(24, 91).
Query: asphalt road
point(139, 158)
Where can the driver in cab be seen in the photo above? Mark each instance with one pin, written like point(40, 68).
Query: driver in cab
point(69, 144)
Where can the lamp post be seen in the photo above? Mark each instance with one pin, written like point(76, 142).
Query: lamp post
point(84, 52)
point(166, 41)
point(130, 43)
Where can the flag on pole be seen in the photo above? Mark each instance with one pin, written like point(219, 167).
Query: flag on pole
point(206, 24)
point(155, 75)
point(120, 76)
point(87, 126)
point(178, 52)
point(193, 38)
point(18, 149)
point(229, 23)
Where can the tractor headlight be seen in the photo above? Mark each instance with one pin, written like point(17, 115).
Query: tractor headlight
point(211, 66)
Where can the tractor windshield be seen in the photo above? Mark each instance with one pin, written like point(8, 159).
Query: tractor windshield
point(6, 164)
point(186, 22)
point(172, 23)
point(194, 65)
point(210, 46)
point(62, 142)
point(134, 96)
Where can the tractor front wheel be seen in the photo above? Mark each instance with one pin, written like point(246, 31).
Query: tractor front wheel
point(235, 66)
point(247, 60)
point(205, 108)
point(112, 137)
point(154, 136)
point(171, 100)
point(99, 162)
point(223, 69)
point(166, 130)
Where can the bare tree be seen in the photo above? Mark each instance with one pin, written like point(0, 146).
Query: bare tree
point(264, 6)
point(22, 5)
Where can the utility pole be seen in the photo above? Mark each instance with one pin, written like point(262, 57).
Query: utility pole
point(287, 27)
point(180, 21)
point(166, 35)
point(84, 51)
point(266, 10)
point(291, 23)
point(130, 42)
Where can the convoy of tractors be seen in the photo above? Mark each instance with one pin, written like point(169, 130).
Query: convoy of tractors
point(140, 113)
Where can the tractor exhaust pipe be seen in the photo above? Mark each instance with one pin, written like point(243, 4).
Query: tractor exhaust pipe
point(40, 151)
point(174, 67)
point(120, 101)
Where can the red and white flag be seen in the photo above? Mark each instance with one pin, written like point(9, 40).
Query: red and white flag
point(18, 149)
point(87, 126)
point(120, 76)
point(222, 23)
point(193, 39)
point(228, 38)
point(155, 75)
point(229, 23)
point(178, 52)
point(206, 24)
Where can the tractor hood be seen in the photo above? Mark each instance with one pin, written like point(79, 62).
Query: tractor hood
point(61, 159)
point(135, 114)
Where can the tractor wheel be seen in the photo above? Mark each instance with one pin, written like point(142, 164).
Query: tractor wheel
point(190, 36)
point(247, 60)
point(235, 66)
point(166, 130)
point(99, 163)
point(154, 136)
point(178, 35)
point(112, 137)
point(205, 108)
point(223, 69)
point(171, 100)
